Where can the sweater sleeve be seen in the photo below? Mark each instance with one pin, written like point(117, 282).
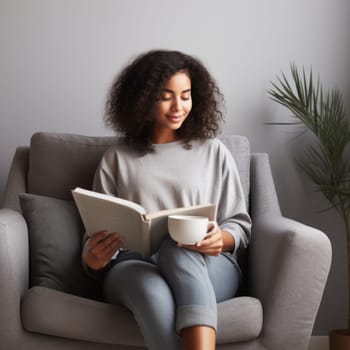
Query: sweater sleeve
point(105, 176)
point(232, 214)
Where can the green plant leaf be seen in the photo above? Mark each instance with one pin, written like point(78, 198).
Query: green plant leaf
point(321, 112)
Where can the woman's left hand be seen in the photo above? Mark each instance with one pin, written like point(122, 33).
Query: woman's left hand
point(212, 244)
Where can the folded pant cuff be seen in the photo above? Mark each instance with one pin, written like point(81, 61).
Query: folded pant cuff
point(195, 315)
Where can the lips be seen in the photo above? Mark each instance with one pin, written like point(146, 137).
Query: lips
point(174, 118)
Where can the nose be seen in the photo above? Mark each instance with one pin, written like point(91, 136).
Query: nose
point(176, 105)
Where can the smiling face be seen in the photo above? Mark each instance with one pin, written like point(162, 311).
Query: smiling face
point(172, 108)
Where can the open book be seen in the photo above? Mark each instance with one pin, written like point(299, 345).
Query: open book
point(142, 231)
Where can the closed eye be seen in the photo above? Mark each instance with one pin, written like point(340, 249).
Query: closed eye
point(186, 95)
point(167, 95)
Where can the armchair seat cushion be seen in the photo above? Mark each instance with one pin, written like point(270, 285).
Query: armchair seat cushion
point(46, 311)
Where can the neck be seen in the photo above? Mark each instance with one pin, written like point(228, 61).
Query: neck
point(164, 138)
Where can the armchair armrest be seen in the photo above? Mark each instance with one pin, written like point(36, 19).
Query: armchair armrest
point(288, 264)
point(14, 271)
point(263, 195)
point(17, 178)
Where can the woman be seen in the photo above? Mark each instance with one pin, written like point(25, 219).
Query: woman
point(167, 108)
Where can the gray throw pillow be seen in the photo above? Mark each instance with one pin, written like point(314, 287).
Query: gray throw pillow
point(55, 241)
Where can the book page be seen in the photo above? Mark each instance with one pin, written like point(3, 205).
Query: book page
point(99, 214)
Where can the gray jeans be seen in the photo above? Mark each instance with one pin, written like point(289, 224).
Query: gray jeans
point(179, 289)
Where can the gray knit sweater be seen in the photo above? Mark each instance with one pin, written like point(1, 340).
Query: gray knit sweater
point(176, 176)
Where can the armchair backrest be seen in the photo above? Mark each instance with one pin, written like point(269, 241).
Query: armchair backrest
point(60, 162)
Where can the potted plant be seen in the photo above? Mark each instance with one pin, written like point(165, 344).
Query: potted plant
point(325, 163)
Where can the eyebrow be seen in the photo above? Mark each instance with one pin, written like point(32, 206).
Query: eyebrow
point(171, 91)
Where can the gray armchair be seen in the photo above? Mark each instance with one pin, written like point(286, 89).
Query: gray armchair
point(286, 266)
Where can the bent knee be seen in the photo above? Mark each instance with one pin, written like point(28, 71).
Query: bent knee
point(135, 280)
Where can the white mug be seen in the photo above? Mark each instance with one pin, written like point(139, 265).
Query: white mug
point(189, 229)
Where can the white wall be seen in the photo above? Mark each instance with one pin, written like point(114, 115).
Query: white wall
point(58, 58)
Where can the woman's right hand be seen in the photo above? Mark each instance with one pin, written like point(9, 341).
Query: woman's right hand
point(100, 249)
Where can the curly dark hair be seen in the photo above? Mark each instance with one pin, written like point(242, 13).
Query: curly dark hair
point(139, 86)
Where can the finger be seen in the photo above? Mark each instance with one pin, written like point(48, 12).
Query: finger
point(205, 242)
point(213, 236)
point(207, 251)
point(106, 252)
point(109, 239)
point(107, 243)
point(98, 236)
point(112, 249)
point(213, 229)
point(209, 240)
point(104, 246)
point(103, 238)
